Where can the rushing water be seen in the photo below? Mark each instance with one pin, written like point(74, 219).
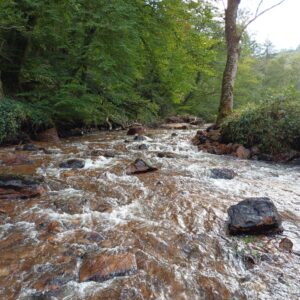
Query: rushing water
point(173, 220)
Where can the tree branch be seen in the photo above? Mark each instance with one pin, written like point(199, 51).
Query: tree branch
point(258, 14)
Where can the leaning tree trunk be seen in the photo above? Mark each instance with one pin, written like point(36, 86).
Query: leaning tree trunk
point(233, 50)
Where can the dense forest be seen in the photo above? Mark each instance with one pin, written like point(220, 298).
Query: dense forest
point(81, 64)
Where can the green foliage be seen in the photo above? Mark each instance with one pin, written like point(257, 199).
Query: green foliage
point(86, 61)
point(274, 126)
point(17, 116)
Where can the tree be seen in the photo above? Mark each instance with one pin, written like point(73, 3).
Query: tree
point(233, 35)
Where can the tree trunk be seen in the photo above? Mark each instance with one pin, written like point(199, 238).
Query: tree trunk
point(1, 89)
point(233, 50)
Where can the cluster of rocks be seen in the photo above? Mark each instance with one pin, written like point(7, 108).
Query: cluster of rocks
point(210, 141)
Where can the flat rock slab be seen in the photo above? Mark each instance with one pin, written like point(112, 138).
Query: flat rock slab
point(103, 267)
point(139, 166)
point(222, 173)
point(21, 187)
point(254, 216)
point(72, 164)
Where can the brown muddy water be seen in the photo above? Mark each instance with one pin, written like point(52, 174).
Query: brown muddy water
point(172, 222)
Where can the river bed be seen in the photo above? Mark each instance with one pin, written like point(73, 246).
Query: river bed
point(173, 221)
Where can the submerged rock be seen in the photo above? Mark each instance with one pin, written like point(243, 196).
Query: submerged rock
point(21, 186)
point(103, 267)
point(222, 173)
point(254, 216)
point(72, 164)
point(139, 166)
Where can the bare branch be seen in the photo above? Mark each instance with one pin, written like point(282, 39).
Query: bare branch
point(258, 7)
point(258, 14)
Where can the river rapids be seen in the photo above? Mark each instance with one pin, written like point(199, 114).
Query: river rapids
point(173, 221)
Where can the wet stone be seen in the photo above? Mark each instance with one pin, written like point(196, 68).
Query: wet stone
point(136, 130)
point(21, 186)
point(166, 155)
point(243, 153)
point(107, 154)
point(222, 173)
point(103, 267)
point(30, 147)
point(286, 245)
point(254, 216)
point(72, 164)
point(143, 147)
point(139, 166)
point(139, 138)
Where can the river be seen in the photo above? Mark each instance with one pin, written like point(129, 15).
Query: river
point(173, 221)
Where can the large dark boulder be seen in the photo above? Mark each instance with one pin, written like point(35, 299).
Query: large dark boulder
point(72, 164)
point(14, 186)
point(222, 173)
point(254, 216)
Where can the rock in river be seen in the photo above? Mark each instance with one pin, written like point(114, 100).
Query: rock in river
point(30, 147)
point(103, 267)
point(139, 138)
point(72, 164)
point(139, 166)
point(166, 155)
point(21, 187)
point(222, 173)
point(136, 130)
point(254, 216)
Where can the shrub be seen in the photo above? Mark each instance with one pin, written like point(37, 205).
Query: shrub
point(17, 116)
point(273, 126)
